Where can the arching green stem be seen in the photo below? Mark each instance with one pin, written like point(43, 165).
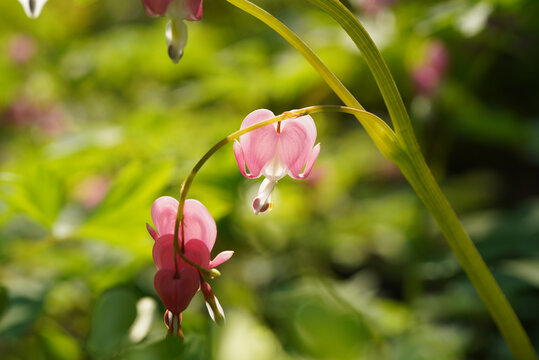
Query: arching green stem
point(378, 130)
point(294, 40)
point(412, 164)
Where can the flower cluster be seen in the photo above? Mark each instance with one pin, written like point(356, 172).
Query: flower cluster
point(274, 151)
point(177, 11)
point(178, 279)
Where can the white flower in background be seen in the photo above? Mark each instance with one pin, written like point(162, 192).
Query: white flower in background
point(32, 8)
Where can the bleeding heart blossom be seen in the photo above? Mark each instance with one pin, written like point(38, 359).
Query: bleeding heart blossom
point(32, 8)
point(274, 151)
point(177, 288)
point(177, 11)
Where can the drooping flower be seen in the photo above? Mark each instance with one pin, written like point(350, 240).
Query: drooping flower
point(274, 151)
point(32, 8)
point(177, 11)
point(177, 288)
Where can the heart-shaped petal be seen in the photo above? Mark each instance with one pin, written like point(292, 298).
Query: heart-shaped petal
point(309, 165)
point(164, 211)
point(197, 252)
point(197, 220)
point(258, 146)
point(176, 291)
point(296, 143)
point(240, 160)
point(198, 224)
point(163, 252)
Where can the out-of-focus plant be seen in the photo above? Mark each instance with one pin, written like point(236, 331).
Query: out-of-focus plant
point(409, 160)
point(88, 123)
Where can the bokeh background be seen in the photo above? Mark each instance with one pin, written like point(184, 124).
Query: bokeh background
point(96, 123)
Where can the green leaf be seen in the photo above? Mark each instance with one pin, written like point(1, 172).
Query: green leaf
point(112, 317)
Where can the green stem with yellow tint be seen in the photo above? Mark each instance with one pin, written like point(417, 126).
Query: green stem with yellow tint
point(382, 135)
point(411, 162)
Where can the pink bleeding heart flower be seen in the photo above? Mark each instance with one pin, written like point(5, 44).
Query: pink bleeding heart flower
point(199, 232)
point(177, 11)
point(177, 288)
point(274, 151)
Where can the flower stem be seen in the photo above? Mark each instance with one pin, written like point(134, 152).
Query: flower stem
point(412, 164)
point(294, 40)
point(380, 132)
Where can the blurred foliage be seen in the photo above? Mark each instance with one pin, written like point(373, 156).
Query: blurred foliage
point(96, 123)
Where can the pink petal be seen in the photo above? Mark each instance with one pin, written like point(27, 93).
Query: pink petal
point(221, 258)
point(163, 252)
point(198, 224)
point(151, 231)
point(310, 162)
point(195, 10)
point(156, 7)
point(164, 212)
point(197, 252)
point(295, 144)
point(197, 221)
point(176, 292)
point(306, 122)
point(240, 160)
point(258, 146)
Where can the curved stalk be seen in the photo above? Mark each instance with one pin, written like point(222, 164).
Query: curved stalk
point(421, 179)
point(412, 165)
point(378, 130)
point(334, 83)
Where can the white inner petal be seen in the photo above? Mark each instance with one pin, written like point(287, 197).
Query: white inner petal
point(274, 170)
point(176, 35)
point(32, 8)
point(264, 196)
point(177, 9)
